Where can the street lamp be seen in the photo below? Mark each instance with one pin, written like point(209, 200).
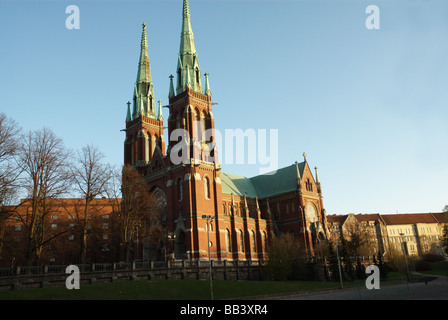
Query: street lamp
point(337, 255)
point(404, 249)
point(209, 218)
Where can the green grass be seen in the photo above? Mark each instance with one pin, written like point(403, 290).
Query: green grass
point(167, 290)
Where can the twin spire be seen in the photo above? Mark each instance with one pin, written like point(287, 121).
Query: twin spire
point(143, 98)
point(188, 73)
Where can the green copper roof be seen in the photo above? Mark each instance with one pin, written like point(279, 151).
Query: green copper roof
point(144, 101)
point(237, 185)
point(144, 72)
point(188, 71)
point(262, 186)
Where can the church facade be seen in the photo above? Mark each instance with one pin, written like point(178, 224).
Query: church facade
point(235, 216)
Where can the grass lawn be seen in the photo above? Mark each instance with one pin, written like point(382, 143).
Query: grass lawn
point(167, 290)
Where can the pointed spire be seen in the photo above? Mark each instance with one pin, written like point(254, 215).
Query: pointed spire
point(160, 116)
point(128, 114)
point(207, 85)
point(317, 177)
point(304, 156)
point(144, 72)
point(144, 102)
point(187, 65)
point(171, 92)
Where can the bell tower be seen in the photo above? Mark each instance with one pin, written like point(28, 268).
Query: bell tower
point(144, 126)
point(190, 106)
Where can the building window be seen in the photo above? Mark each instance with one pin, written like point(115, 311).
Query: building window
point(228, 243)
point(202, 127)
point(224, 208)
point(254, 242)
point(18, 227)
point(207, 188)
point(241, 240)
point(309, 185)
point(54, 226)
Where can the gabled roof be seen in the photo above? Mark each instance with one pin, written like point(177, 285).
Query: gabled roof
point(262, 186)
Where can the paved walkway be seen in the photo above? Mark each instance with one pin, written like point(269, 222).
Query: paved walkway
point(436, 289)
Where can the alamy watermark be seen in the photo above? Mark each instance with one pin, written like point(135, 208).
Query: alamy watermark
point(240, 147)
point(73, 280)
point(373, 280)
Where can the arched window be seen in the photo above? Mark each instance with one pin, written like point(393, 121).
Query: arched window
point(197, 125)
point(241, 240)
point(206, 188)
point(228, 241)
point(202, 127)
point(224, 208)
point(178, 77)
point(265, 241)
point(148, 147)
point(197, 76)
point(254, 242)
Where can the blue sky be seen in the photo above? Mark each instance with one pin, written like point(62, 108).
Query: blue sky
point(369, 107)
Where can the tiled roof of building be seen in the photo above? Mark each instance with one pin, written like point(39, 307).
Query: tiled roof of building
point(441, 217)
point(367, 216)
point(262, 186)
point(337, 218)
point(408, 218)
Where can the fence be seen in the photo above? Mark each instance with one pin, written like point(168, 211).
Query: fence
point(46, 276)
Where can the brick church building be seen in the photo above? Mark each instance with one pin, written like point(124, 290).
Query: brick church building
point(242, 213)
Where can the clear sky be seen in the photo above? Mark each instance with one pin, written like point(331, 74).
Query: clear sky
point(369, 107)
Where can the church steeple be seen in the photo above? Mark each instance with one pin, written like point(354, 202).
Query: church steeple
point(188, 71)
point(144, 124)
point(144, 101)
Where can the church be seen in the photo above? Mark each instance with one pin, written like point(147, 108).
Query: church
point(206, 209)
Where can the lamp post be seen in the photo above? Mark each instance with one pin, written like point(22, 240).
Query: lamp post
point(207, 219)
point(337, 256)
point(404, 249)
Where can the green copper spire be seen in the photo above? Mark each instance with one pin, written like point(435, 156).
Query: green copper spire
point(187, 65)
point(144, 101)
point(144, 72)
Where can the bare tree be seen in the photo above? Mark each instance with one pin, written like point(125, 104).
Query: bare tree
point(44, 162)
point(358, 240)
point(140, 210)
point(90, 176)
point(9, 171)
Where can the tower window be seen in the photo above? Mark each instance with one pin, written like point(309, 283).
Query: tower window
point(197, 75)
point(206, 188)
point(202, 127)
point(178, 77)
